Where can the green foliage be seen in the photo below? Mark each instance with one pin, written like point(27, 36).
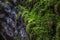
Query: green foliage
point(39, 19)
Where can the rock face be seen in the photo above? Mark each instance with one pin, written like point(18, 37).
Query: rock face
point(10, 27)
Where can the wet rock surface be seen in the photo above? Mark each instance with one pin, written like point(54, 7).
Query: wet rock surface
point(9, 26)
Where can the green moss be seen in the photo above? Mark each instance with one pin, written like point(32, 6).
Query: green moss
point(40, 17)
